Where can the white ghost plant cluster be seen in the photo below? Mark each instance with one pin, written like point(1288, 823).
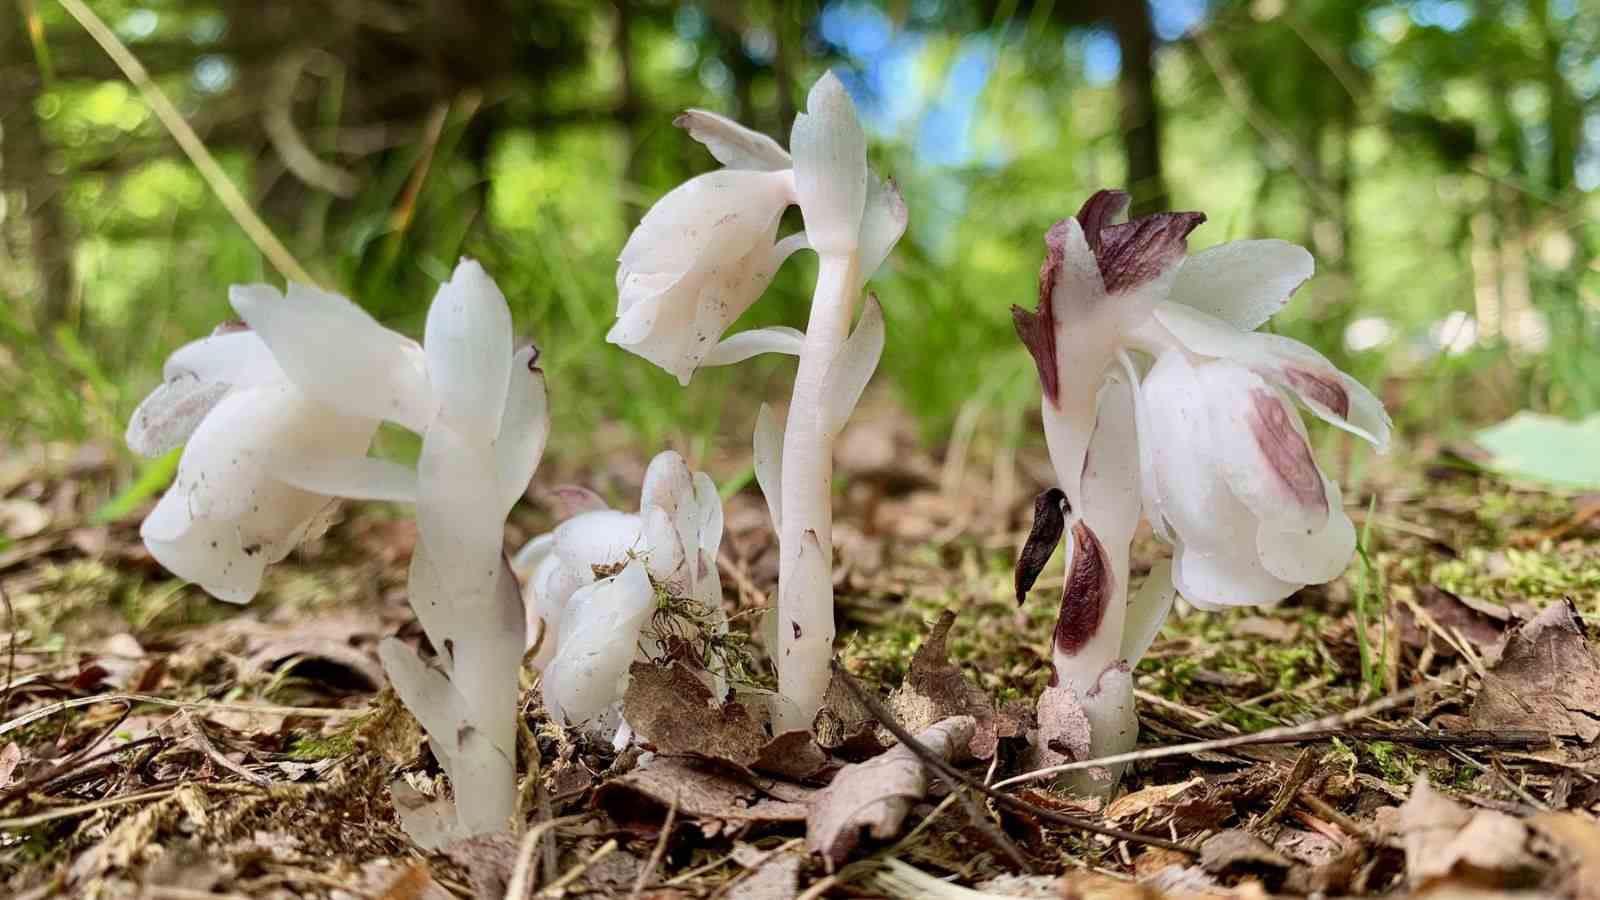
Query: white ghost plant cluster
point(1161, 398)
point(278, 418)
point(703, 255)
point(591, 590)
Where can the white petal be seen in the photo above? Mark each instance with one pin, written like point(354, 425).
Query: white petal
point(1147, 612)
point(425, 691)
point(882, 223)
point(768, 462)
point(1260, 447)
point(1310, 558)
point(1330, 394)
point(1243, 283)
point(336, 352)
point(599, 538)
point(830, 167)
point(206, 552)
point(458, 517)
point(719, 214)
point(524, 428)
point(1111, 499)
point(756, 341)
point(1148, 487)
point(734, 145)
point(847, 377)
point(531, 555)
point(238, 358)
point(468, 345)
point(598, 644)
point(1218, 579)
point(354, 478)
point(171, 413)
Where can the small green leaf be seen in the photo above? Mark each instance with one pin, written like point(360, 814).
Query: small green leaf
point(154, 476)
point(1546, 449)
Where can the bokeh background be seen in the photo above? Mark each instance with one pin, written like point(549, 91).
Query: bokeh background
point(1439, 157)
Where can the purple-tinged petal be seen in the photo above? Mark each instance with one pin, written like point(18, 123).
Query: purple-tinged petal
point(1049, 522)
point(1138, 252)
point(1100, 212)
point(1261, 449)
point(1089, 588)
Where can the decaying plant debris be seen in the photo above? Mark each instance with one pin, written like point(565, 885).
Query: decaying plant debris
point(156, 743)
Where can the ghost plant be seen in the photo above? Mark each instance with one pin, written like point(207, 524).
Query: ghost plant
point(264, 457)
point(1160, 396)
point(592, 588)
point(703, 255)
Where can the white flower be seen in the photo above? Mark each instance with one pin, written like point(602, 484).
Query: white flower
point(232, 511)
point(591, 585)
point(1205, 443)
point(1227, 473)
point(708, 249)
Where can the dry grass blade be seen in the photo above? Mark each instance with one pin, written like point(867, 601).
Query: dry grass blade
point(45, 712)
point(522, 875)
point(238, 207)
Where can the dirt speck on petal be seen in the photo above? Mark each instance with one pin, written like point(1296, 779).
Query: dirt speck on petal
point(872, 798)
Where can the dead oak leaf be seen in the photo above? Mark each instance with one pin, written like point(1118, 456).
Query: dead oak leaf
point(1547, 679)
point(873, 797)
point(1447, 844)
point(671, 708)
point(935, 688)
point(720, 800)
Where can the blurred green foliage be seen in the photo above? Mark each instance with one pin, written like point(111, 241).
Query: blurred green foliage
point(1439, 157)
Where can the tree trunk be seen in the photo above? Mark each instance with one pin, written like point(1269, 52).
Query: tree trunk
point(1140, 114)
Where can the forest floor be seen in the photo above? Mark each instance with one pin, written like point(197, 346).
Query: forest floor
point(157, 743)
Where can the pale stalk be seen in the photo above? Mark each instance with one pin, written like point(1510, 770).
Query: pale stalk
point(805, 604)
point(1100, 677)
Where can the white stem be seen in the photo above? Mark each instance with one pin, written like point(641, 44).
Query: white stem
point(805, 582)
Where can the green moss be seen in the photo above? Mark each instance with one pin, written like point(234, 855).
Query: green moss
point(1511, 574)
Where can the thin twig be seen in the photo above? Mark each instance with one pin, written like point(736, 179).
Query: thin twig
point(576, 871)
point(1270, 736)
point(161, 793)
point(934, 761)
point(11, 651)
point(193, 147)
point(522, 874)
point(78, 757)
point(202, 742)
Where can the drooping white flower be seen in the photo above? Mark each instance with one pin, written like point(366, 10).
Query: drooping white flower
point(591, 586)
point(232, 510)
point(481, 409)
point(1161, 398)
point(703, 255)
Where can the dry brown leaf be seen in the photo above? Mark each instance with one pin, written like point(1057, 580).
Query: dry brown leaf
point(874, 796)
point(673, 710)
point(1579, 841)
point(774, 876)
point(1236, 851)
point(9, 758)
point(936, 689)
point(719, 800)
point(1082, 885)
point(1142, 801)
point(1548, 679)
point(1446, 843)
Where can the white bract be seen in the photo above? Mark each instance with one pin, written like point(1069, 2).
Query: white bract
point(592, 582)
point(265, 457)
point(703, 255)
point(1160, 397)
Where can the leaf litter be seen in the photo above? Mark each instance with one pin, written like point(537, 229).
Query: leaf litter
point(276, 766)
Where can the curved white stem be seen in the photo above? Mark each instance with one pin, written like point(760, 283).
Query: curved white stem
point(805, 583)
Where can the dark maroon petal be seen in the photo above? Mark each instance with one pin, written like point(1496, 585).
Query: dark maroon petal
point(1286, 450)
point(1088, 591)
point(1135, 252)
point(1038, 328)
point(1320, 388)
point(1097, 214)
point(231, 326)
point(1049, 520)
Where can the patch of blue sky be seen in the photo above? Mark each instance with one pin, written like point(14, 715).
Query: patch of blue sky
point(1172, 19)
point(1446, 15)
